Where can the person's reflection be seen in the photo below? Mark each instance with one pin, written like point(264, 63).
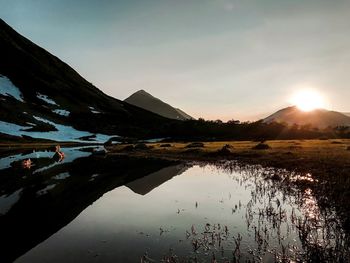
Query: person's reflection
point(59, 155)
point(27, 164)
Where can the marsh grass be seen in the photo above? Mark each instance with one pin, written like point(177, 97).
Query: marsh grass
point(282, 203)
point(326, 161)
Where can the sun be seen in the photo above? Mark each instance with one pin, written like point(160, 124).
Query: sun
point(308, 100)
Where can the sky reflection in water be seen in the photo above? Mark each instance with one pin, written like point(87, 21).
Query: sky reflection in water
point(204, 210)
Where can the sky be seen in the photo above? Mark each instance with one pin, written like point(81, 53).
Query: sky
point(216, 59)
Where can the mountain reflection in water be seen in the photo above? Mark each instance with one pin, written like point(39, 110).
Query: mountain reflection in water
point(120, 209)
point(35, 203)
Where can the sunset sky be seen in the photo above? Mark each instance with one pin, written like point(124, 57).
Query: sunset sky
point(212, 58)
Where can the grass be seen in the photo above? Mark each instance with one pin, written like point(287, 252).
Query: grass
point(328, 161)
point(316, 156)
point(304, 153)
point(323, 158)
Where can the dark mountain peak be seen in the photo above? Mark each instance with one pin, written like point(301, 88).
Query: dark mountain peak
point(142, 92)
point(39, 92)
point(4, 25)
point(148, 102)
point(319, 118)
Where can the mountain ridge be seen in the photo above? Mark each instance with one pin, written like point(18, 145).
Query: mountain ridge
point(318, 118)
point(53, 91)
point(147, 101)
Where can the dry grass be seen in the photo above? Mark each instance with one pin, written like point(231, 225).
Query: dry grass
point(323, 158)
point(327, 160)
point(280, 150)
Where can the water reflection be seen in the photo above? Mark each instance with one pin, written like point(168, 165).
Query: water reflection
point(36, 157)
point(92, 207)
point(7, 201)
point(35, 203)
point(146, 184)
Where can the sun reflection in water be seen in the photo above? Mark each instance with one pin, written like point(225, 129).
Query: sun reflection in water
point(310, 206)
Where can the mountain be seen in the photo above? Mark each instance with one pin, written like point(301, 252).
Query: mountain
point(146, 101)
point(319, 118)
point(346, 113)
point(43, 97)
point(146, 184)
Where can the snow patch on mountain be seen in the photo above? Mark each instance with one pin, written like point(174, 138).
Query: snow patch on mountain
point(93, 110)
point(62, 133)
point(64, 113)
point(46, 99)
point(12, 129)
point(31, 124)
point(7, 88)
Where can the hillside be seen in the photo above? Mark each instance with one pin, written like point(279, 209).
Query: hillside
point(43, 97)
point(319, 118)
point(146, 101)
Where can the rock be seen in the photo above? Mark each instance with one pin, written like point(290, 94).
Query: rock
point(228, 146)
point(225, 150)
point(261, 146)
point(195, 145)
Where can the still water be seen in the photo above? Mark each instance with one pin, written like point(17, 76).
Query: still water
point(121, 210)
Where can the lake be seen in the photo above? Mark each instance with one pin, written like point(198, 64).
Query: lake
point(95, 208)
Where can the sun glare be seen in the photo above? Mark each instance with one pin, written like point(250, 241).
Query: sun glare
point(308, 100)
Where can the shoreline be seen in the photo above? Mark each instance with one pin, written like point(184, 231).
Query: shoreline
point(318, 156)
point(296, 155)
point(325, 162)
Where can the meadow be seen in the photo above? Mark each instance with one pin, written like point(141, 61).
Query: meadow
point(326, 160)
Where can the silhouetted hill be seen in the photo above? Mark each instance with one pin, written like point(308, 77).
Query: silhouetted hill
point(146, 184)
point(39, 92)
point(146, 101)
point(319, 118)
